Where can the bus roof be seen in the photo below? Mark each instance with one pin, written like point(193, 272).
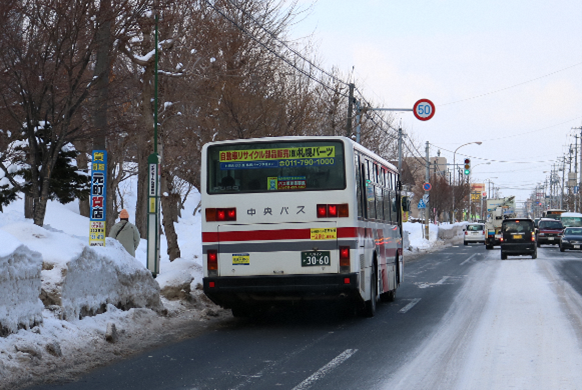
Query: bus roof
point(355, 145)
point(570, 214)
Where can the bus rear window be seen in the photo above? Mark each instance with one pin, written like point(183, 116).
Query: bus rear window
point(276, 167)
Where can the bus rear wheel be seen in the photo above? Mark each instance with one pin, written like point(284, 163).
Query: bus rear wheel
point(370, 306)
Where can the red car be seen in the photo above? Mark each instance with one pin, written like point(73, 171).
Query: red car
point(549, 231)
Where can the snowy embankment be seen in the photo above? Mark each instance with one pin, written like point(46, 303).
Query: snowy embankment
point(78, 280)
point(415, 240)
point(20, 284)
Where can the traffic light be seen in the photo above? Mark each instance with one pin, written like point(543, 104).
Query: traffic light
point(467, 166)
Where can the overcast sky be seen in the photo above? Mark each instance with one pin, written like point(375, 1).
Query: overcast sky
point(504, 72)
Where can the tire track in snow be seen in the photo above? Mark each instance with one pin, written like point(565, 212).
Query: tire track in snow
point(507, 328)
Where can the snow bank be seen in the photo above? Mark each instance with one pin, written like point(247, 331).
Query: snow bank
point(20, 284)
point(82, 280)
point(450, 231)
point(416, 240)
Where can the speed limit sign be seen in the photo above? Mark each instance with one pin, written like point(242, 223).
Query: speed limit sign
point(423, 109)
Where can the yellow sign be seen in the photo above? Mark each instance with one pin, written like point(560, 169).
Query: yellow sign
point(324, 234)
point(277, 154)
point(241, 259)
point(97, 233)
point(475, 196)
point(152, 205)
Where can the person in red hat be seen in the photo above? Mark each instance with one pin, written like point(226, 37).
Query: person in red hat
point(126, 233)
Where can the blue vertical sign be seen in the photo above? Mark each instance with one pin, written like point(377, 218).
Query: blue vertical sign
point(98, 199)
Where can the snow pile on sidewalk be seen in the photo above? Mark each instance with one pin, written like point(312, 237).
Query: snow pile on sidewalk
point(416, 239)
point(20, 284)
point(438, 236)
point(82, 280)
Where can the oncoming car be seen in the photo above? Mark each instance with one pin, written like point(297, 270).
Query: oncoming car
point(549, 231)
point(518, 238)
point(474, 232)
point(571, 239)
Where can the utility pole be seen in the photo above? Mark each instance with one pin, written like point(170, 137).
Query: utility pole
point(562, 192)
point(358, 120)
point(427, 210)
point(579, 178)
point(400, 149)
point(577, 187)
point(350, 110)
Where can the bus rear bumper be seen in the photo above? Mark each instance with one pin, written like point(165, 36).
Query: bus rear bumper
point(232, 291)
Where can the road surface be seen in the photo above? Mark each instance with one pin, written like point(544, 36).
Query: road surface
point(463, 319)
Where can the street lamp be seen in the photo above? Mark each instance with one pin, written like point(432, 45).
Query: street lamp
point(455, 167)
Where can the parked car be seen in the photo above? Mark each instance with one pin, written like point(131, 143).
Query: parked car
point(518, 238)
point(549, 231)
point(571, 239)
point(474, 232)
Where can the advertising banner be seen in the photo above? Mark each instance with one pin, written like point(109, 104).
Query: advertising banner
point(97, 200)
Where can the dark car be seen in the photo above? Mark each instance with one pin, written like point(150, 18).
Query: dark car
point(549, 231)
point(518, 238)
point(571, 239)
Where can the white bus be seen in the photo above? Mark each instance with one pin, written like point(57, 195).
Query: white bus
point(290, 219)
point(571, 219)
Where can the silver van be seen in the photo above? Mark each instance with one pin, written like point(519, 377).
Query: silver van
point(474, 232)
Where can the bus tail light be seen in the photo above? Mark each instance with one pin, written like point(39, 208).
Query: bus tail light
point(344, 258)
point(333, 210)
point(212, 262)
point(219, 215)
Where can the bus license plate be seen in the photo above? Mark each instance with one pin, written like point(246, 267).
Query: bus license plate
point(314, 259)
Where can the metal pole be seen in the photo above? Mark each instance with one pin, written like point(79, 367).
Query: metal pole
point(427, 176)
point(400, 150)
point(350, 110)
point(562, 189)
point(153, 221)
point(358, 118)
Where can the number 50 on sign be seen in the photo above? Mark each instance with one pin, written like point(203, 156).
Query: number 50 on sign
point(423, 109)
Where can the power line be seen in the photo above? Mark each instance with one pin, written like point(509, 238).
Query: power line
point(513, 86)
point(272, 50)
point(274, 36)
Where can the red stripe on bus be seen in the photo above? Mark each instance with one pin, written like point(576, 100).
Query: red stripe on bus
point(272, 235)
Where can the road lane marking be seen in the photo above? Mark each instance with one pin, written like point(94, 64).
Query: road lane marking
point(442, 280)
point(470, 257)
point(272, 364)
point(409, 306)
point(323, 371)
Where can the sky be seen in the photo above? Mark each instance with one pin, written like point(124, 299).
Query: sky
point(507, 73)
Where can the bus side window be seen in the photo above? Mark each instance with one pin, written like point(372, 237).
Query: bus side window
point(379, 203)
point(370, 192)
point(387, 207)
point(359, 180)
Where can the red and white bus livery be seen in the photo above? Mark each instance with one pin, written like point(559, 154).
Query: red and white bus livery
point(289, 219)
